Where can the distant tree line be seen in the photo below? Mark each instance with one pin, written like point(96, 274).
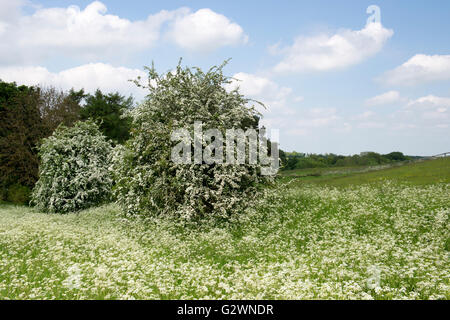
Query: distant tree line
point(296, 160)
point(28, 114)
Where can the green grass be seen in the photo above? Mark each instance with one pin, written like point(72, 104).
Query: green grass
point(418, 173)
point(370, 238)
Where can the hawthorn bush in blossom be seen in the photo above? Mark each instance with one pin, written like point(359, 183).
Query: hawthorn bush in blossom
point(149, 183)
point(74, 170)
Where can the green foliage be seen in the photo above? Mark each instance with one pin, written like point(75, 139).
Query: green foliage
point(295, 160)
point(19, 194)
point(20, 131)
point(148, 182)
point(28, 114)
point(109, 112)
point(74, 172)
point(396, 156)
point(283, 158)
point(9, 91)
point(59, 107)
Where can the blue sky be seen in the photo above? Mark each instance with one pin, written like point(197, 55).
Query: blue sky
point(332, 81)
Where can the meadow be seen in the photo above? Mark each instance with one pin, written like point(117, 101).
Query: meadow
point(378, 234)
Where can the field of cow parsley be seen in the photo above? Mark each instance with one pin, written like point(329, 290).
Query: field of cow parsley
point(382, 241)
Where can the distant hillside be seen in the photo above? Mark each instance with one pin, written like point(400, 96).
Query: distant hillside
point(419, 172)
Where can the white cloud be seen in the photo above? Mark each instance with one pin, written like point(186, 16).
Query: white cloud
point(364, 115)
point(88, 33)
point(312, 122)
point(10, 9)
point(317, 118)
point(430, 101)
point(425, 112)
point(282, 106)
point(92, 34)
point(385, 98)
point(371, 125)
point(206, 30)
point(431, 108)
point(89, 76)
point(257, 86)
point(419, 69)
point(265, 90)
point(413, 115)
point(328, 52)
point(369, 120)
point(285, 110)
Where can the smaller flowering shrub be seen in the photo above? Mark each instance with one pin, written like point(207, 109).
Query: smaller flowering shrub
point(74, 171)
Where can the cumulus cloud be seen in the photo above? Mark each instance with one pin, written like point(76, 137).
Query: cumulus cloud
point(431, 108)
point(206, 30)
point(92, 33)
point(419, 69)
point(89, 76)
point(425, 112)
point(318, 117)
point(327, 52)
point(10, 9)
point(371, 125)
point(412, 115)
point(264, 90)
point(287, 111)
point(257, 86)
point(284, 109)
point(88, 33)
point(365, 115)
point(385, 98)
point(369, 120)
point(430, 101)
point(314, 122)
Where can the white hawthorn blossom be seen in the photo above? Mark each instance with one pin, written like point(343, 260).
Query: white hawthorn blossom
point(149, 183)
point(74, 169)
